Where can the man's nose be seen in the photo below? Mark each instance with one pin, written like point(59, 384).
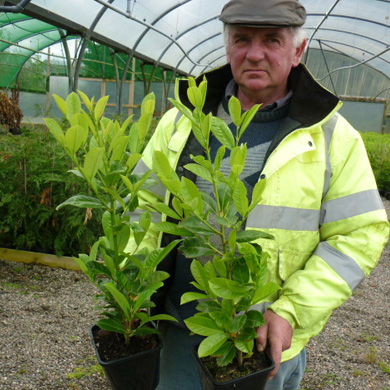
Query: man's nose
point(255, 52)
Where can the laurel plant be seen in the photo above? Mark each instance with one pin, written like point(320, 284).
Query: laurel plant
point(229, 267)
point(105, 154)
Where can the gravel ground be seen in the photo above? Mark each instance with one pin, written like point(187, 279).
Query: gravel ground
point(46, 313)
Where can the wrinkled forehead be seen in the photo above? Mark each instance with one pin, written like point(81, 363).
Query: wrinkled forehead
point(235, 30)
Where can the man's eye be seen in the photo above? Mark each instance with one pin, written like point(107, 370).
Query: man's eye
point(274, 40)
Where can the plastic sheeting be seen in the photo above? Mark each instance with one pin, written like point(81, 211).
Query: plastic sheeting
point(185, 36)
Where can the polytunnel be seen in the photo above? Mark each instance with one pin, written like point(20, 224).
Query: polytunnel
point(135, 46)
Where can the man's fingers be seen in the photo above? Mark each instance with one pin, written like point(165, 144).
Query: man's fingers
point(276, 353)
point(262, 336)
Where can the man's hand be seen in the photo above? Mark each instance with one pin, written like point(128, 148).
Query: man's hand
point(277, 333)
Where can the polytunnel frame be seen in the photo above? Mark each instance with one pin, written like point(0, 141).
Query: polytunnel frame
point(72, 30)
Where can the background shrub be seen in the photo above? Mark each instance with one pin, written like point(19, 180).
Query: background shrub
point(34, 179)
point(378, 150)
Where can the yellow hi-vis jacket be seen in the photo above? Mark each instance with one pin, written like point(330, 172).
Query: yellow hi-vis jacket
point(320, 203)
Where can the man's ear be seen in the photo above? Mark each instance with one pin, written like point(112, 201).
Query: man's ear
point(299, 53)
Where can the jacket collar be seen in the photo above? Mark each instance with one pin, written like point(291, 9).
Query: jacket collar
point(310, 103)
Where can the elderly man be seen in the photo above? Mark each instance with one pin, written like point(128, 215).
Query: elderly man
point(320, 203)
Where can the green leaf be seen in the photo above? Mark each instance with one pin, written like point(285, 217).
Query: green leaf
point(126, 123)
point(222, 319)
point(195, 97)
point(176, 203)
point(148, 104)
point(203, 162)
point(237, 159)
point(195, 247)
point(254, 319)
point(158, 255)
point(211, 344)
point(240, 196)
point(194, 224)
point(247, 335)
point(93, 162)
point(219, 157)
point(192, 296)
point(172, 228)
point(199, 274)
point(74, 105)
point(226, 354)
point(172, 185)
point(164, 209)
point(143, 126)
point(182, 108)
point(133, 160)
point(107, 224)
point(191, 195)
point(247, 118)
point(235, 110)
point(82, 201)
point(241, 271)
point(123, 236)
point(237, 323)
point(162, 317)
point(207, 306)
point(220, 266)
point(144, 297)
point(120, 299)
point(258, 191)
point(222, 132)
point(56, 130)
point(210, 202)
point(203, 326)
point(75, 137)
point(199, 170)
point(229, 289)
point(111, 325)
point(61, 103)
point(265, 291)
point(119, 148)
point(251, 235)
point(244, 346)
point(162, 166)
point(100, 107)
point(86, 100)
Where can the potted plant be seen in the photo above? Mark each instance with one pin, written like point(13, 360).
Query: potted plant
point(105, 155)
point(233, 277)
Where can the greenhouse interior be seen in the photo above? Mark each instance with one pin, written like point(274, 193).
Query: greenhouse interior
point(83, 86)
point(127, 48)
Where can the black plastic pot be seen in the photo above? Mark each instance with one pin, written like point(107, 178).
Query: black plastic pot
point(254, 381)
point(134, 372)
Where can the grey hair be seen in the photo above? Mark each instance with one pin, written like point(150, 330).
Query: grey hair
point(299, 34)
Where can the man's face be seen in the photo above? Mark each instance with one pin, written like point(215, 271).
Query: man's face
point(261, 60)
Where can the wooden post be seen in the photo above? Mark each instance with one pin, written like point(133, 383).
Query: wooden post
point(38, 258)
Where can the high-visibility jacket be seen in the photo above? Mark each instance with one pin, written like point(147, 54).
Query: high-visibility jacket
point(320, 202)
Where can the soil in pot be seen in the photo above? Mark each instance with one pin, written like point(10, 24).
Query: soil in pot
point(132, 367)
point(112, 346)
point(252, 375)
point(257, 362)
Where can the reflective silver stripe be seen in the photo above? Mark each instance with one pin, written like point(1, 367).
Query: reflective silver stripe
point(141, 168)
point(288, 218)
point(344, 265)
point(351, 206)
point(328, 129)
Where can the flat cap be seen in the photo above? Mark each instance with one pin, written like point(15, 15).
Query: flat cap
point(264, 13)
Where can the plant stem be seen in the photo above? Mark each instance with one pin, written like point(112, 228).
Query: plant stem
point(240, 358)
